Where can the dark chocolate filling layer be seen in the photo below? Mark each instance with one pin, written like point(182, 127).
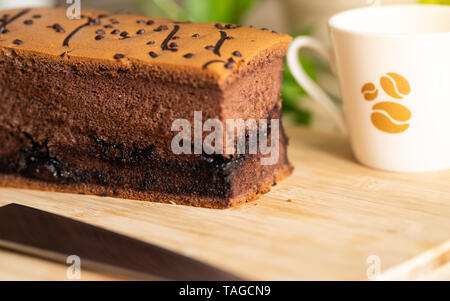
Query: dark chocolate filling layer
point(113, 165)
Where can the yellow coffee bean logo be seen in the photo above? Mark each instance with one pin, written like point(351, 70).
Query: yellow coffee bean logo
point(395, 85)
point(369, 91)
point(388, 116)
point(392, 111)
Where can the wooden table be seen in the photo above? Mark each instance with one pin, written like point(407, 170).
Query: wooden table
point(333, 219)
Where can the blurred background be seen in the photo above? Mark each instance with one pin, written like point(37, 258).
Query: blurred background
point(295, 17)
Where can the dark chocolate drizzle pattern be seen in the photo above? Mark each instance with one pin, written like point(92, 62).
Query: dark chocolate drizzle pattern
point(237, 54)
point(227, 64)
point(57, 28)
point(6, 21)
point(223, 38)
point(90, 22)
point(212, 62)
point(161, 28)
point(67, 39)
point(165, 44)
point(124, 35)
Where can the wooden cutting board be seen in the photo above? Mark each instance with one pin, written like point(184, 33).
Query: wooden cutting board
point(333, 219)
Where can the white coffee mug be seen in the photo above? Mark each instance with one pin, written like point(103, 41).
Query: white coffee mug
point(393, 65)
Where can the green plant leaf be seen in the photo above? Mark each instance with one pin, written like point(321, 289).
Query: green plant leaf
point(229, 11)
point(447, 2)
point(200, 10)
point(241, 7)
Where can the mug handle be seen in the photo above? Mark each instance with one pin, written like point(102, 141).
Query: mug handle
point(308, 84)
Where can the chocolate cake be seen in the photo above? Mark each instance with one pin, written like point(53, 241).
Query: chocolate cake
point(88, 105)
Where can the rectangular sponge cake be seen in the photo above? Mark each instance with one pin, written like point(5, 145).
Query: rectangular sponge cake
point(87, 105)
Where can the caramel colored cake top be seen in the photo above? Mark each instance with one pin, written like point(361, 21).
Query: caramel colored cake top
point(220, 49)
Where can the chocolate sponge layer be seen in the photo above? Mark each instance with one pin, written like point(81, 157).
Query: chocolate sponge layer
point(131, 104)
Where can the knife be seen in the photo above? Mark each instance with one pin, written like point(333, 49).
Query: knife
point(54, 237)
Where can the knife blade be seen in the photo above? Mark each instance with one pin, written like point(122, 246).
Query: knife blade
point(55, 237)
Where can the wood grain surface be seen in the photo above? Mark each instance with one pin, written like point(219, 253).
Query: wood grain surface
point(333, 219)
